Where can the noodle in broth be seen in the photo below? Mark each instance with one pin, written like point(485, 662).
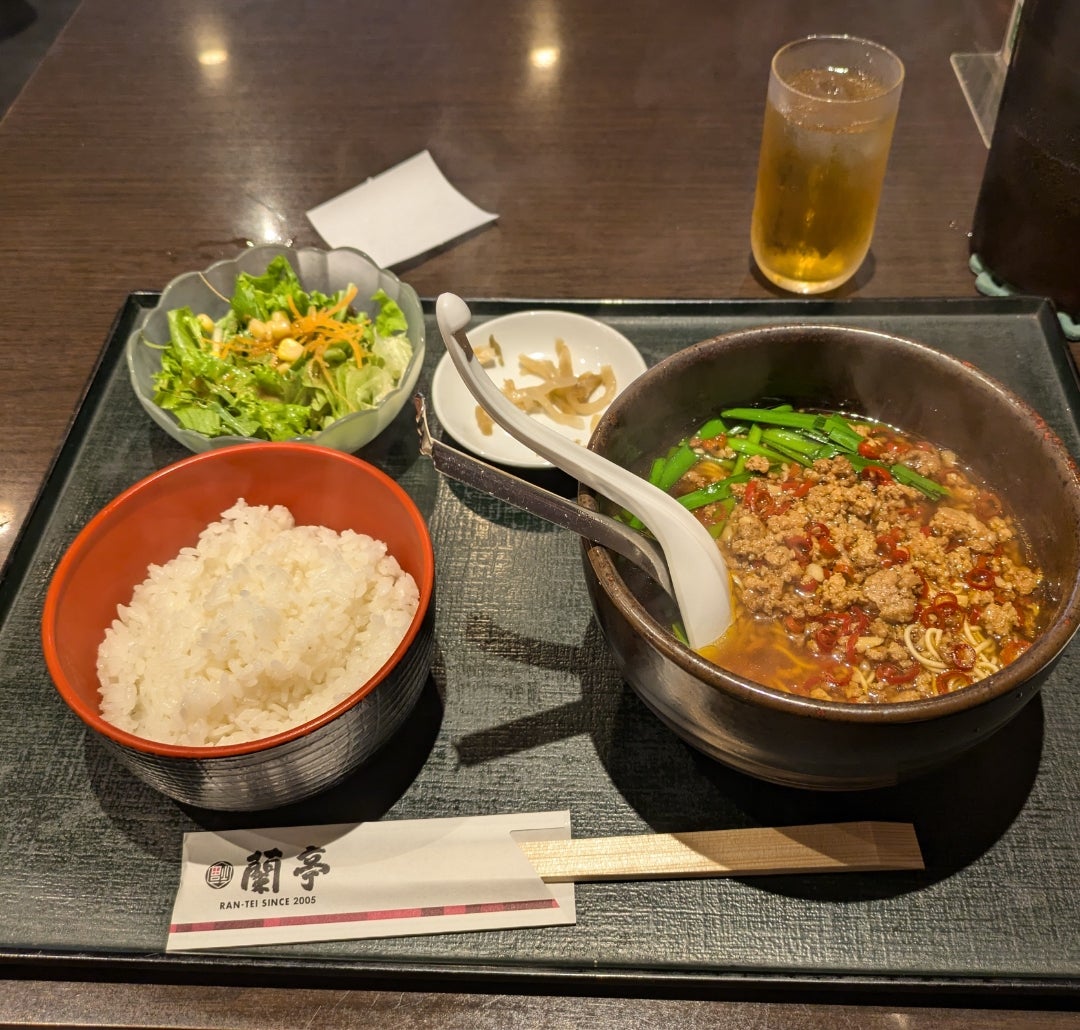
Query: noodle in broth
point(868, 565)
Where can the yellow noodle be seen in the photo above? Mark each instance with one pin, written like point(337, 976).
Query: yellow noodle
point(933, 660)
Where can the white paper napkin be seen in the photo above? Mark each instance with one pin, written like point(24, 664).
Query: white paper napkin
point(407, 210)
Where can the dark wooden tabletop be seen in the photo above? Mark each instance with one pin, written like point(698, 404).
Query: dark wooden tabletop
point(625, 169)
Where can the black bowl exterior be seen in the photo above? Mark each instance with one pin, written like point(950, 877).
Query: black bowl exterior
point(794, 747)
point(818, 744)
point(303, 766)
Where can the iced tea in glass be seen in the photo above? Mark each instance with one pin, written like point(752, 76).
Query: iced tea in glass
point(829, 118)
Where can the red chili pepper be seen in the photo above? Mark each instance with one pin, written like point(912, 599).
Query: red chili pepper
point(826, 637)
point(870, 448)
point(807, 586)
point(947, 682)
point(801, 544)
point(885, 542)
point(892, 673)
point(844, 568)
point(876, 474)
point(891, 449)
point(1013, 649)
point(961, 656)
point(987, 506)
point(829, 630)
point(886, 547)
point(796, 486)
point(981, 576)
point(946, 614)
point(820, 534)
point(808, 684)
point(752, 496)
point(856, 623)
point(760, 502)
point(794, 625)
point(952, 616)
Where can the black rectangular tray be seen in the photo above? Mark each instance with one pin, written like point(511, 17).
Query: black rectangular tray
point(525, 711)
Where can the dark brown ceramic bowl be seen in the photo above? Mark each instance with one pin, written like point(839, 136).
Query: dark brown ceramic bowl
point(793, 740)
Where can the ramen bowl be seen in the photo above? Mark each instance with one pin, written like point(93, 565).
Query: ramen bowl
point(149, 523)
point(789, 739)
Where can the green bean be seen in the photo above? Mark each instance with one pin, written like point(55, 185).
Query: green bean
point(741, 446)
point(676, 466)
point(712, 429)
point(753, 436)
point(656, 469)
point(718, 491)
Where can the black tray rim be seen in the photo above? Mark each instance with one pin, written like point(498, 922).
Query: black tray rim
point(247, 970)
point(228, 969)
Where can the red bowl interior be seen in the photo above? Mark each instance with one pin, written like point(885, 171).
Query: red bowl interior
point(151, 521)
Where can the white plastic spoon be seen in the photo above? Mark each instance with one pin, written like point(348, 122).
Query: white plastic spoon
point(698, 572)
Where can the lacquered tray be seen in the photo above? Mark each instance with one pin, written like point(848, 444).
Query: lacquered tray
point(525, 711)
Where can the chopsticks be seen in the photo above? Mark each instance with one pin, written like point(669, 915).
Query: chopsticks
point(818, 848)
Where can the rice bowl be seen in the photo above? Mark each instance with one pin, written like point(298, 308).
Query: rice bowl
point(260, 627)
point(149, 524)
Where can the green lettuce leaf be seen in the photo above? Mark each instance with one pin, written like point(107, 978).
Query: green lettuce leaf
point(259, 296)
point(393, 353)
point(390, 319)
point(254, 396)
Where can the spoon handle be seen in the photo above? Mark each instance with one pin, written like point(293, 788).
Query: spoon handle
point(698, 572)
point(542, 503)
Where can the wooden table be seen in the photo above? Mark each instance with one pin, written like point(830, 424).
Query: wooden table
point(158, 137)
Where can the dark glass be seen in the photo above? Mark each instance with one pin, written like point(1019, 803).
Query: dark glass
point(1027, 219)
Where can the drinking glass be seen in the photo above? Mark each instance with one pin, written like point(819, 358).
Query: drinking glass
point(829, 118)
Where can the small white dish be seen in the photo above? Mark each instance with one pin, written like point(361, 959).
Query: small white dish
point(533, 334)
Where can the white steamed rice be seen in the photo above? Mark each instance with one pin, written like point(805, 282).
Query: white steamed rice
point(261, 626)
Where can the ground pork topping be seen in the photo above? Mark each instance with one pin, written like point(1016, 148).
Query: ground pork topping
point(887, 593)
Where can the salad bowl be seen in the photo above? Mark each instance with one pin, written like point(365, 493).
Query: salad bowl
point(325, 271)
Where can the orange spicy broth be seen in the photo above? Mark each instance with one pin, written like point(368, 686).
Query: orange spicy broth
point(852, 586)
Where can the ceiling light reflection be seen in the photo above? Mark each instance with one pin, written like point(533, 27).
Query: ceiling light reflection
point(544, 57)
point(212, 56)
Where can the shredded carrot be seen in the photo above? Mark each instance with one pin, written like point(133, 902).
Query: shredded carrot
point(319, 329)
point(315, 331)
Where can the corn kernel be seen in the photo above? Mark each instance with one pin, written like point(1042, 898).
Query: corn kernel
point(279, 325)
point(258, 329)
point(289, 350)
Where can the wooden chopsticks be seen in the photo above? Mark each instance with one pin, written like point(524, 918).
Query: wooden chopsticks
point(819, 848)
